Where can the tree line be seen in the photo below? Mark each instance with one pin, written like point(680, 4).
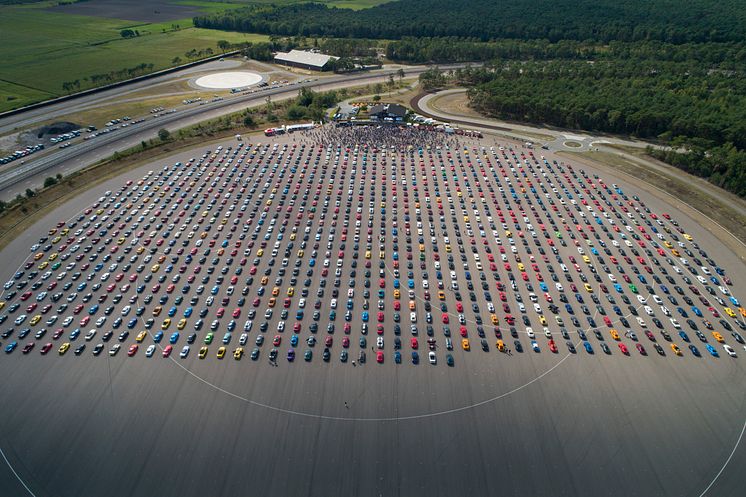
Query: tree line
point(670, 21)
point(701, 109)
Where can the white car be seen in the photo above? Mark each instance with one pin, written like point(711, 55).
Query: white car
point(431, 357)
point(89, 336)
point(729, 350)
point(379, 342)
point(20, 319)
point(413, 317)
point(530, 332)
point(150, 350)
point(184, 352)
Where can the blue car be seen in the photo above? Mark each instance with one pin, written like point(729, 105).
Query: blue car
point(684, 336)
point(588, 347)
point(75, 334)
point(227, 338)
point(11, 347)
point(132, 323)
point(712, 350)
point(158, 337)
point(365, 316)
point(174, 337)
point(187, 312)
point(415, 357)
point(294, 340)
point(172, 311)
point(93, 310)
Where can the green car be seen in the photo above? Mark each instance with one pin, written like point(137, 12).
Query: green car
point(209, 337)
point(307, 355)
point(56, 266)
point(633, 288)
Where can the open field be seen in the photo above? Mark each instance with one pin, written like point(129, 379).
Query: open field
point(50, 48)
point(485, 424)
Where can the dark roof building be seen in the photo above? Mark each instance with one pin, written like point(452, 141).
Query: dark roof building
point(388, 112)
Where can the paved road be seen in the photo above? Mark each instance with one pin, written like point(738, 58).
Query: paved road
point(531, 424)
point(31, 174)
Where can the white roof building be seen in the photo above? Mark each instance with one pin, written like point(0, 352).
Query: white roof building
point(304, 59)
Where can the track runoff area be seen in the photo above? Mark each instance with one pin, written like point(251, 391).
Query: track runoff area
point(391, 252)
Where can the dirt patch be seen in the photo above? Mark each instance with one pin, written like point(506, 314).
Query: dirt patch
point(573, 144)
point(455, 103)
point(131, 10)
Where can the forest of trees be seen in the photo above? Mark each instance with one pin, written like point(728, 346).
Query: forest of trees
point(692, 106)
point(662, 70)
point(671, 21)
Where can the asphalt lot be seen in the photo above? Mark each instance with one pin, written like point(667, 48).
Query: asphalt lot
point(584, 424)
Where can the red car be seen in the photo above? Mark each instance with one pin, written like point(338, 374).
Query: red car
point(379, 357)
point(47, 347)
point(166, 351)
point(414, 343)
point(445, 318)
point(552, 346)
point(276, 340)
point(624, 349)
point(236, 312)
point(380, 317)
point(382, 283)
point(133, 350)
point(29, 347)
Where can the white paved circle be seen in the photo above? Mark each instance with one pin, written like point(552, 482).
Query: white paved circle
point(225, 80)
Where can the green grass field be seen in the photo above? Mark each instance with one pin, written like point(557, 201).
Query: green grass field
point(44, 49)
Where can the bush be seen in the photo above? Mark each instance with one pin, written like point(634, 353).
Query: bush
point(164, 134)
point(49, 181)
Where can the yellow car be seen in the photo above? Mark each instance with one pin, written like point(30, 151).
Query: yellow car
point(140, 249)
point(676, 349)
point(381, 254)
point(614, 334)
point(397, 293)
point(422, 247)
point(367, 254)
point(63, 348)
point(260, 252)
point(221, 352)
point(38, 256)
point(718, 337)
point(155, 268)
point(586, 259)
point(667, 244)
point(43, 265)
point(448, 248)
point(141, 336)
point(543, 320)
point(120, 240)
point(291, 291)
point(35, 319)
point(688, 237)
point(202, 352)
point(56, 239)
point(588, 288)
point(500, 345)
point(292, 236)
point(730, 312)
point(300, 253)
point(675, 252)
point(2, 305)
point(521, 267)
point(742, 311)
point(508, 233)
point(238, 353)
point(494, 319)
point(275, 291)
point(441, 295)
point(264, 280)
point(465, 344)
point(166, 323)
point(181, 324)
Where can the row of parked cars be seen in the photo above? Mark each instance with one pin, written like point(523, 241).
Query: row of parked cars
point(310, 217)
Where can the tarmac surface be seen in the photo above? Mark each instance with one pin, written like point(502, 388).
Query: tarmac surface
point(524, 423)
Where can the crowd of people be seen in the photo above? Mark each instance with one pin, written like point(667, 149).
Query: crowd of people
point(386, 136)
